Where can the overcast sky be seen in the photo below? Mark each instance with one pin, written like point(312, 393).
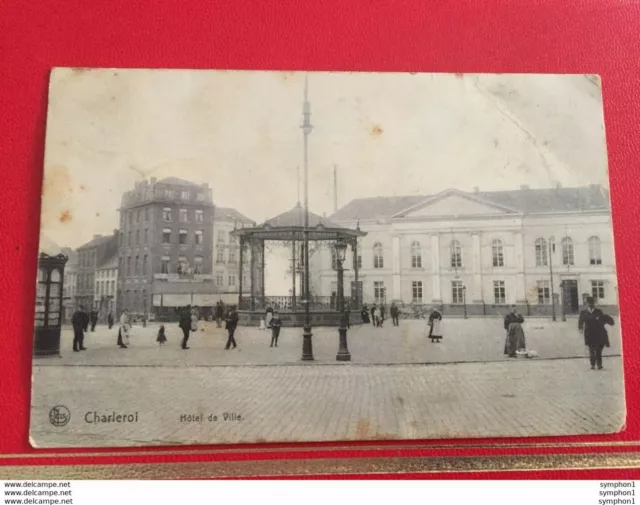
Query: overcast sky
point(388, 134)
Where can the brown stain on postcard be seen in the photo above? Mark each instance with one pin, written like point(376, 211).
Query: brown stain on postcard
point(363, 428)
point(57, 189)
point(377, 130)
point(65, 216)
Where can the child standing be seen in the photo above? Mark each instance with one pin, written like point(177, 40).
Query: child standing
point(275, 325)
point(161, 336)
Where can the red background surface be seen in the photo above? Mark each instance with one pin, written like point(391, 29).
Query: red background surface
point(541, 36)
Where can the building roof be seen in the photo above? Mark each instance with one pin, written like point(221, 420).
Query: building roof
point(290, 225)
point(109, 262)
point(295, 218)
point(229, 214)
point(97, 241)
point(178, 182)
point(72, 262)
point(48, 246)
point(524, 200)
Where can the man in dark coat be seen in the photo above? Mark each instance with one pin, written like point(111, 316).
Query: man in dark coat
point(219, 314)
point(232, 323)
point(94, 320)
point(395, 312)
point(110, 320)
point(185, 325)
point(373, 319)
point(592, 322)
point(275, 324)
point(79, 321)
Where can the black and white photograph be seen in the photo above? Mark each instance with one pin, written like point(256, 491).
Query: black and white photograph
point(233, 257)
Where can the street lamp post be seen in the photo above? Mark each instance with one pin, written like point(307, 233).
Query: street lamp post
point(307, 128)
point(343, 351)
point(464, 300)
point(552, 248)
point(564, 315)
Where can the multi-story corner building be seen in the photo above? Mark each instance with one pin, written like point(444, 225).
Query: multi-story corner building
point(90, 256)
point(69, 284)
point(480, 251)
point(166, 245)
point(106, 293)
point(226, 255)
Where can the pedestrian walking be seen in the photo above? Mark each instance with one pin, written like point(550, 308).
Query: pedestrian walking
point(395, 313)
point(435, 326)
point(110, 320)
point(219, 314)
point(275, 324)
point(94, 320)
point(162, 338)
point(79, 321)
point(185, 325)
point(87, 321)
point(364, 314)
point(383, 314)
point(231, 325)
point(123, 330)
point(377, 320)
point(268, 315)
point(373, 317)
point(592, 322)
point(515, 340)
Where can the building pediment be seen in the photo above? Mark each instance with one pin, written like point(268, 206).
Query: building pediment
point(453, 203)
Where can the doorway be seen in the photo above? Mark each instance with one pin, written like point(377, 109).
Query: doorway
point(570, 298)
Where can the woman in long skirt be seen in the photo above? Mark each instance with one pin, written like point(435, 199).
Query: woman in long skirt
point(435, 325)
point(123, 330)
point(515, 334)
point(364, 313)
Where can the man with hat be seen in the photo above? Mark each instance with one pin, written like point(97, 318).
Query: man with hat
point(592, 322)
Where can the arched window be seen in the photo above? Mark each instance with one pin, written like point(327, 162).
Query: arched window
point(456, 254)
point(334, 260)
point(378, 257)
point(595, 251)
point(497, 252)
point(567, 251)
point(541, 252)
point(416, 255)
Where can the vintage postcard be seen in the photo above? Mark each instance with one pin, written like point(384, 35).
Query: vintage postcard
point(239, 257)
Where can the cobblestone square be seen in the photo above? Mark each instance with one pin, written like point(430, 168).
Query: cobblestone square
point(398, 386)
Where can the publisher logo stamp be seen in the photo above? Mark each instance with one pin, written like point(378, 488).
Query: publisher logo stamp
point(59, 415)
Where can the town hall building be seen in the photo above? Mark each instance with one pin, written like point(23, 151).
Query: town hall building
point(478, 252)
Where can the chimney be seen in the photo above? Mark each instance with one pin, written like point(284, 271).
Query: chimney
point(524, 187)
point(558, 185)
point(335, 189)
point(96, 237)
point(476, 189)
point(115, 232)
point(154, 180)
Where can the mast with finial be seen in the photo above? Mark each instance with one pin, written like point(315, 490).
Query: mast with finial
point(335, 189)
point(307, 128)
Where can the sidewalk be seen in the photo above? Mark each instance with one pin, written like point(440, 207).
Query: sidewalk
point(465, 340)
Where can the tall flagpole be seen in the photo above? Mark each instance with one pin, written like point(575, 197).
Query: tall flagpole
point(335, 188)
point(307, 128)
